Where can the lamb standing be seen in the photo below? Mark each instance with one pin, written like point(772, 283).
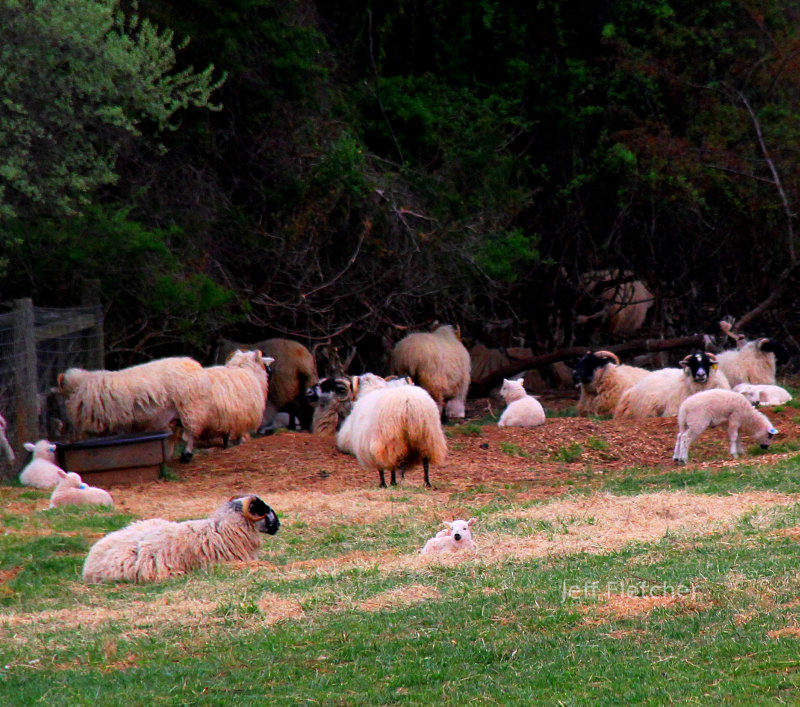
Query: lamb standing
point(72, 491)
point(522, 410)
point(710, 408)
point(456, 537)
point(41, 472)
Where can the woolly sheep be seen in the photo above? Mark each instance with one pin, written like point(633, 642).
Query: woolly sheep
point(147, 397)
point(763, 394)
point(436, 361)
point(602, 380)
point(711, 408)
point(660, 393)
point(331, 400)
point(71, 491)
point(155, 549)
point(393, 426)
point(41, 472)
point(293, 373)
point(752, 362)
point(237, 396)
point(4, 443)
point(522, 410)
point(625, 301)
point(456, 537)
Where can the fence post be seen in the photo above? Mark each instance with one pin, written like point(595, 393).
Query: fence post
point(24, 347)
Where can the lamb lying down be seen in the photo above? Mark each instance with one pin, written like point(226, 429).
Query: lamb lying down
point(456, 537)
point(72, 491)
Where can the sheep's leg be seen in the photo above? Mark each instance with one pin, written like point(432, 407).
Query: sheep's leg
point(425, 469)
point(735, 440)
point(394, 479)
point(383, 479)
point(687, 437)
point(226, 438)
point(677, 451)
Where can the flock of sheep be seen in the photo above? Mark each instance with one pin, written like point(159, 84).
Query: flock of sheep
point(388, 423)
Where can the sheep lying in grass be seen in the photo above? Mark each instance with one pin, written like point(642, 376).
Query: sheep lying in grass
point(522, 410)
point(602, 380)
point(763, 394)
point(456, 537)
point(711, 408)
point(41, 472)
point(72, 491)
point(155, 549)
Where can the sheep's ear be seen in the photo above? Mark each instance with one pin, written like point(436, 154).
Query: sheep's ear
point(472, 521)
point(684, 362)
point(711, 357)
point(354, 384)
point(29, 446)
point(772, 431)
point(267, 360)
point(253, 508)
point(447, 523)
point(60, 380)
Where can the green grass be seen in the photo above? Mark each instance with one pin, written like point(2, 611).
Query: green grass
point(513, 449)
point(569, 453)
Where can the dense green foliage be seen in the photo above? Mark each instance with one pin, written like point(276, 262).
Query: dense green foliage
point(375, 166)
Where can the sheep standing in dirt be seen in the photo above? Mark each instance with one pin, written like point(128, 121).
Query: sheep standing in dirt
point(392, 426)
point(72, 491)
point(155, 549)
point(751, 361)
point(456, 537)
point(237, 396)
point(602, 380)
point(522, 410)
point(763, 394)
point(711, 408)
point(436, 361)
point(41, 472)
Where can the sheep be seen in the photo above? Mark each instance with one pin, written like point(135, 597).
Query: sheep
point(155, 549)
point(456, 537)
point(72, 491)
point(237, 396)
point(436, 361)
point(763, 394)
point(41, 472)
point(660, 393)
point(393, 426)
point(4, 443)
point(147, 397)
point(625, 301)
point(331, 400)
point(710, 408)
point(752, 361)
point(602, 380)
point(293, 373)
point(522, 410)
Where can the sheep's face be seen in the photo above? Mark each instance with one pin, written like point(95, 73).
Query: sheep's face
point(586, 368)
point(699, 366)
point(511, 387)
point(329, 389)
point(767, 437)
point(460, 531)
point(263, 518)
point(772, 346)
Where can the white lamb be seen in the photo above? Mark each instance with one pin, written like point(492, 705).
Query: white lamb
point(71, 490)
point(42, 472)
point(456, 537)
point(763, 394)
point(522, 410)
point(711, 408)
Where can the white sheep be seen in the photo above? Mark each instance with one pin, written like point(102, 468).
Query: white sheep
point(602, 380)
point(391, 427)
point(72, 491)
point(522, 410)
point(660, 393)
point(711, 408)
point(456, 537)
point(4, 443)
point(763, 394)
point(41, 472)
point(436, 361)
point(752, 361)
point(155, 549)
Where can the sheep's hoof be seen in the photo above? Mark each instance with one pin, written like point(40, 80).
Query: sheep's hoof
point(186, 457)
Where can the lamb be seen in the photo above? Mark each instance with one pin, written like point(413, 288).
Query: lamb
point(4, 443)
point(522, 410)
point(237, 396)
point(155, 549)
point(293, 373)
point(660, 393)
point(763, 394)
point(752, 361)
point(436, 361)
point(710, 408)
point(72, 491)
point(393, 426)
point(602, 380)
point(331, 400)
point(456, 537)
point(147, 397)
point(41, 472)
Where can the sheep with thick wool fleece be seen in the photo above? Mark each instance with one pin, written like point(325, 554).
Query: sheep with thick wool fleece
point(436, 361)
point(711, 408)
point(660, 393)
point(754, 362)
point(143, 398)
point(155, 549)
point(41, 472)
point(72, 491)
point(763, 394)
point(237, 396)
point(602, 380)
point(456, 537)
point(391, 427)
point(522, 410)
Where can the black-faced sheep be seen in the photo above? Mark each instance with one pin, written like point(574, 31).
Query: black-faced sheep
point(522, 410)
point(660, 393)
point(752, 361)
point(41, 472)
point(72, 491)
point(602, 380)
point(456, 537)
point(711, 408)
point(331, 399)
point(155, 549)
point(436, 361)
